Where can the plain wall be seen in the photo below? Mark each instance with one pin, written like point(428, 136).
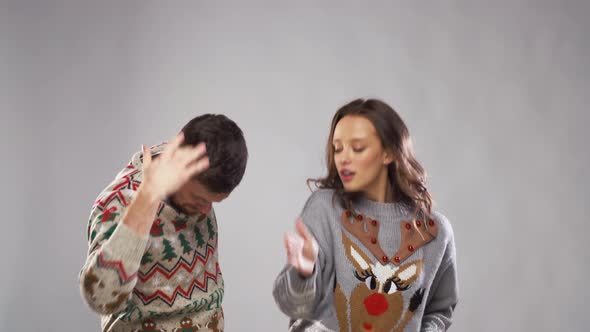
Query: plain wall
point(494, 94)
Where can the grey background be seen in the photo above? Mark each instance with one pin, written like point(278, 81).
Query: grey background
point(495, 96)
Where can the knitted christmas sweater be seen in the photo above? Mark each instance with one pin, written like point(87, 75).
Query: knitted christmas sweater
point(379, 269)
point(167, 281)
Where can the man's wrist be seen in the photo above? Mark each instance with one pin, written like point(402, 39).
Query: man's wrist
point(147, 194)
point(140, 213)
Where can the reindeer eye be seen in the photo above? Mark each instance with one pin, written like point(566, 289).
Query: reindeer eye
point(398, 284)
point(368, 278)
point(360, 276)
point(371, 283)
point(387, 289)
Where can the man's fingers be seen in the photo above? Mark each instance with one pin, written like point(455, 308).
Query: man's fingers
point(147, 156)
point(173, 146)
point(177, 140)
point(197, 167)
point(189, 154)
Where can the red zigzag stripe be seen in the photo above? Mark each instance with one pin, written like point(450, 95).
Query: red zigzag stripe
point(116, 190)
point(169, 299)
point(183, 264)
point(118, 266)
point(126, 179)
point(104, 202)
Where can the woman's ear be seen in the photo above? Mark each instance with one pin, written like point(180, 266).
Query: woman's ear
point(387, 157)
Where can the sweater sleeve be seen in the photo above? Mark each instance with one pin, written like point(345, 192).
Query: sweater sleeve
point(114, 255)
point(443, 298)
point(297, 296)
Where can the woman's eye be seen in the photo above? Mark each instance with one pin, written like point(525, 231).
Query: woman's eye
point(357, 150)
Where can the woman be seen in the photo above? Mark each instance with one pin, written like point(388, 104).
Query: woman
point(369, 254)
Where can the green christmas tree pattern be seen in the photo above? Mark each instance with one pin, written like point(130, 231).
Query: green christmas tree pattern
point(168, 250)
point(109, 232)
point(199, 237)
point(185, 245)
point(210, 229)
point(147, 258)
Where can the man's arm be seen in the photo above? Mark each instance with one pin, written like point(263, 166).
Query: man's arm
point(116, 248)
point(117, 243)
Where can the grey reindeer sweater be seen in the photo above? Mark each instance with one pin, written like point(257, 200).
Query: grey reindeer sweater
point(168, 280)
point(378, 269)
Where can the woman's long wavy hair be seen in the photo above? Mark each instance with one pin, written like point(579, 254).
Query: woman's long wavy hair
point(407, 176)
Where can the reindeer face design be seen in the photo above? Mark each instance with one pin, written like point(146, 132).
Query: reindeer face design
point(377, 302)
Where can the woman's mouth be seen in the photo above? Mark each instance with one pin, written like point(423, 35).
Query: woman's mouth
point(346, 175)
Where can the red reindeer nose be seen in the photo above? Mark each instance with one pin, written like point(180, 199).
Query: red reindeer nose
point(376, 304)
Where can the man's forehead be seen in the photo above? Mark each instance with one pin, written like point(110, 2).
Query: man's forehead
point(218, 197)
point(199, 189)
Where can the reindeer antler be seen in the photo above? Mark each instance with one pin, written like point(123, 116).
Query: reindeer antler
point(414, 235)
point(366, 230)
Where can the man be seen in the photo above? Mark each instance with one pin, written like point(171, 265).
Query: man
point(152, 258)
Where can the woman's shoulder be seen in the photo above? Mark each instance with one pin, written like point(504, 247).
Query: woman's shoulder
point(320, 212)
point(321, 202)
point(322, 193)
point(445, 229)
point(321, 198)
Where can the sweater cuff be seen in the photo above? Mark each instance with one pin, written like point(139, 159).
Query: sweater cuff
point(126, 245)
point(300, 286)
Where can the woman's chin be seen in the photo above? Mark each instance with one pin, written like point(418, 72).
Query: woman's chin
point(351, 188)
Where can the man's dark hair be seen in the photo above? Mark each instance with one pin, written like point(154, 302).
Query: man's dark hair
point(226, 149)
